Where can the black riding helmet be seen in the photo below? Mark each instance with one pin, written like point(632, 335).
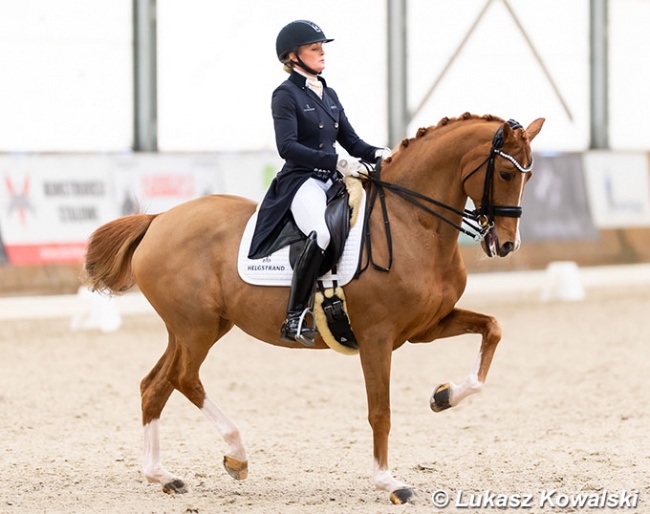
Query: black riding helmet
point(295, 34)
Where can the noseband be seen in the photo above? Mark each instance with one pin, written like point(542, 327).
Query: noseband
point(478, 221)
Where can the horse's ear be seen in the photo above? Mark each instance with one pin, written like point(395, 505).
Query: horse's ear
point(506, 131)
point(534, 128)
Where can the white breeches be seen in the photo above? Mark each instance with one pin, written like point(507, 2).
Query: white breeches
point(308, 209)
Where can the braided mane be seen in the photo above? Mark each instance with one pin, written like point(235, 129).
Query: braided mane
point(444, 122)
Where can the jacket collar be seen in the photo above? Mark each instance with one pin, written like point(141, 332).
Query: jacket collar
point(324, 103)
point(301, 81)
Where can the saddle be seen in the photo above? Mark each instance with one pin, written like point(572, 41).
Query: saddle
point(338, 218)
point(328, 305)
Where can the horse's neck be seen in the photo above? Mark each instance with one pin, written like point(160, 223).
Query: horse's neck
point(434, 173)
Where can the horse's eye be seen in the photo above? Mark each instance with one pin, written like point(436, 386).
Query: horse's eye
point(506, 176)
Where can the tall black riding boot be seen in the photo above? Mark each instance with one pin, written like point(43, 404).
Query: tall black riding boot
point(305, 274)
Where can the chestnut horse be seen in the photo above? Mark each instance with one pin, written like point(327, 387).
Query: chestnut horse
point(185, 263)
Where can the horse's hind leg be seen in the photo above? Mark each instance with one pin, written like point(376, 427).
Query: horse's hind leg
point(460, 322)
point(187, 381)
point(179, 368)
point(155, 390)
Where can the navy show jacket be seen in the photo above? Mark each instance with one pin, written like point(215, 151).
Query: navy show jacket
point(306, 130)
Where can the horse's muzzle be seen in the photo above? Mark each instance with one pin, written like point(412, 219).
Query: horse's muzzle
point(492, 248)
point(506, 248)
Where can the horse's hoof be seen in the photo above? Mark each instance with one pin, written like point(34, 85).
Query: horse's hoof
point(176, 486)
point(440, 398)
point(402, 496)
point(237, 469)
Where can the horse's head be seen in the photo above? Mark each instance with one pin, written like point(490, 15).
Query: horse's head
point(494, 175)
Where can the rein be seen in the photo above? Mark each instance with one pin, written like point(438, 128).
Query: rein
point(479, 221)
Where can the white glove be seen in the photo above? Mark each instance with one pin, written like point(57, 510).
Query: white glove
point(350, 167)
point(383, 153)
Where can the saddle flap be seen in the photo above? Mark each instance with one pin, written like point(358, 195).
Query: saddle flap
point(275, 269)
point(337, 219)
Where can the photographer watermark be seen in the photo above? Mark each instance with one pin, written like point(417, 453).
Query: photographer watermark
point(546, 498)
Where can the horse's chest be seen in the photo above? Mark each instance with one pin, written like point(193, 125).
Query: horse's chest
point(435, 304)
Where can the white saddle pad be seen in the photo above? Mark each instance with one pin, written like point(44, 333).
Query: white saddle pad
point(275, 269)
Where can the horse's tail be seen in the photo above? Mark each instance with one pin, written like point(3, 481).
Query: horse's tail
point(109, 253)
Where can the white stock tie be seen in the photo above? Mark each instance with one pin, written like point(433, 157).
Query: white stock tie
point(316, 86)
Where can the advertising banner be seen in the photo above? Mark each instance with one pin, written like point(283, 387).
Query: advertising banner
point(153, 183)
point(51, 205)
point(3, 252)
point(555, 203)
point(248, 174)
point(619, 189)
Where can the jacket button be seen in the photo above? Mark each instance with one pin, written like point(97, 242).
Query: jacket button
point(321, 125)
point(321, 145)
point(336, 124)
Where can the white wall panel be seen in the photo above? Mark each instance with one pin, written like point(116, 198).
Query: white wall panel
point(496, 72)
point(66, 71)
point(218, 68)
point(67, 76)
point(629, 55)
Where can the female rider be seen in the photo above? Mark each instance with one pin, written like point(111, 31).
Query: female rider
point(308, 120)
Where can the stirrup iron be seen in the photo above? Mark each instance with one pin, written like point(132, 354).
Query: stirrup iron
point(306, 334)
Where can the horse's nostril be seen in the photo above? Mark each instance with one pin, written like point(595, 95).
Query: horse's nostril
point(506, 248)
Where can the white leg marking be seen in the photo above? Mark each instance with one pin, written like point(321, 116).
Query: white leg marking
point(383, 479)
point(153, 470)
point(227, 429)
point(470, 385)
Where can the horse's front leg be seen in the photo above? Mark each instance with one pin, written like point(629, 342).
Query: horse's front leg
point(456, 323)
point(376, 363)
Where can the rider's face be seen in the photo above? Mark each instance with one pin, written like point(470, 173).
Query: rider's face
point(313, 56)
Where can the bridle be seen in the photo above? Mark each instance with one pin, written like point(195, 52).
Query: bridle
point(487, 211)
point(478, 222)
